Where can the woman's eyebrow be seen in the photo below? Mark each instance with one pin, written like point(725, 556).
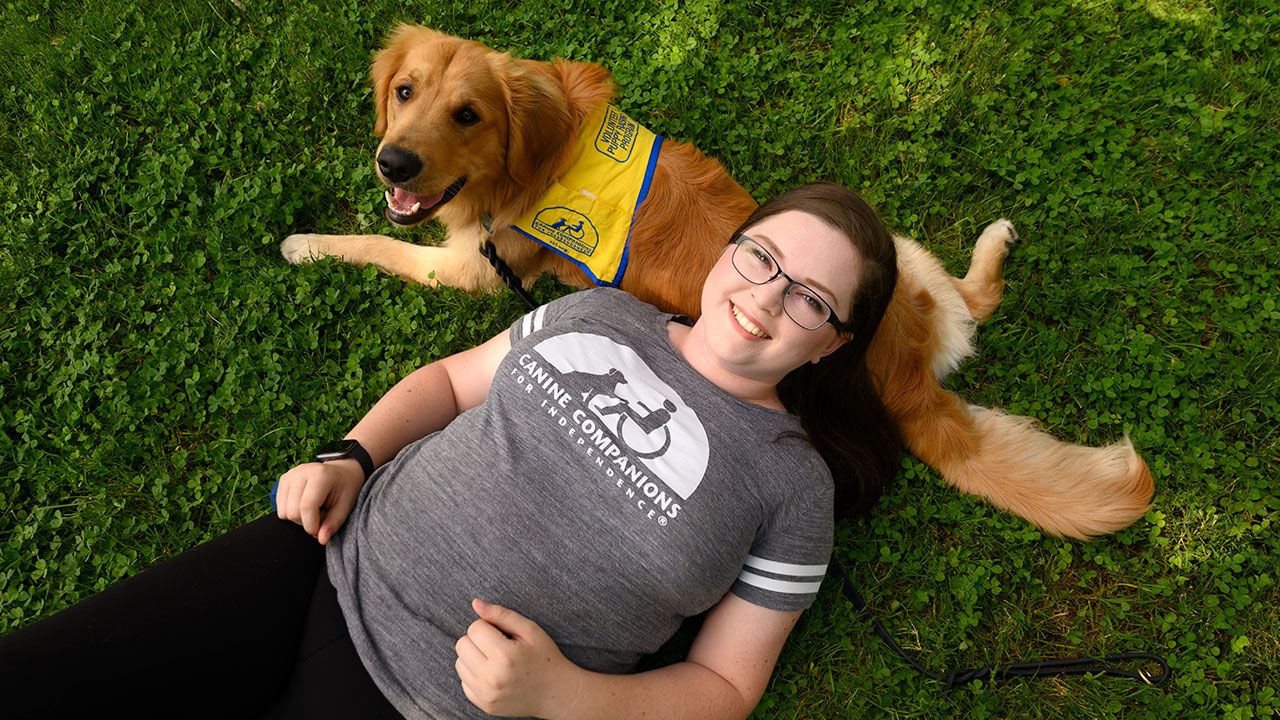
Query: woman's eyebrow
point(778, 254)
point(769, 244)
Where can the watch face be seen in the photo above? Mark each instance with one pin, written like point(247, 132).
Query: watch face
point(335, 450)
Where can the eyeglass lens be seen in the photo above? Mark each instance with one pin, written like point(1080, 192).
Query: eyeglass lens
point(802, 304)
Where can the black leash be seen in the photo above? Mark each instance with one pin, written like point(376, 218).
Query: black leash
point(1029, 669)
point(508, 276)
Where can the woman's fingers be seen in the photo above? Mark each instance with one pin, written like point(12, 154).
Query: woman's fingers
point(508, 665)
point(507, 620)
point(488, 640)
point(288, 494)
point(310, 493)
point(338, 511)
point(311, 506)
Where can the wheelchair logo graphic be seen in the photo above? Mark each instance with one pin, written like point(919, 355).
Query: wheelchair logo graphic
point(562, 225)
point(568, 228)
point(639, 428)
point(646, 418)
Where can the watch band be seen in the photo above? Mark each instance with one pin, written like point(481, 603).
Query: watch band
point(350, 449)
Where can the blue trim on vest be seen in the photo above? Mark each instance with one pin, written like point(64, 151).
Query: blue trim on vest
point(582, 266)
point(644, 193)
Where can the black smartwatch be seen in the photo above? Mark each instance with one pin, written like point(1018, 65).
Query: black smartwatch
point(343, 449)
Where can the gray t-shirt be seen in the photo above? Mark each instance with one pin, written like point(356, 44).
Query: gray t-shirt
point(604, 490)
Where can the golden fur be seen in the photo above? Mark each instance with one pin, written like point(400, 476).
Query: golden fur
point(528, 112)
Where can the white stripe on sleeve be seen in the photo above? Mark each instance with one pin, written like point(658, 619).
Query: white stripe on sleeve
point(781, 568)
point(539, 317)
point(780, 586)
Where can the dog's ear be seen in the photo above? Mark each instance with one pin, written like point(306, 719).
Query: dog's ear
point(589, 84)
point(538, 120)
point(386, 62)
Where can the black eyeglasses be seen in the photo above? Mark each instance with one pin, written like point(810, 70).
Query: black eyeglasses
point(805, 307)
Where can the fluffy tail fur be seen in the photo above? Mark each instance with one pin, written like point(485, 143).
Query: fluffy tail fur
point(1066, 490)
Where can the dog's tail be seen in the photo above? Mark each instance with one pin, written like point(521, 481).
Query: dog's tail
point(1066, 490)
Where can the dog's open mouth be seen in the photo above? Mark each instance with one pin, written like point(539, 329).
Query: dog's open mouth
point(406, 208)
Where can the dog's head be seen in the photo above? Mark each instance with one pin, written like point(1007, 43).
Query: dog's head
point(459, 122)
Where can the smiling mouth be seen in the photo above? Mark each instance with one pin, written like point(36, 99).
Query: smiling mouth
point(745, 323)
point(406, 208)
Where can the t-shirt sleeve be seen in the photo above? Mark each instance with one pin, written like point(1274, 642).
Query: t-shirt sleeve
point(546, 315)
point(788, 560)
point(602, 302)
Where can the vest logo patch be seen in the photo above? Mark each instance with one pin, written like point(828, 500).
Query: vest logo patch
point(571, 229)
point(617, 135)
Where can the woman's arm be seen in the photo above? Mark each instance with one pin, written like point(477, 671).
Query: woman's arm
point(509, 666)
point(319, 496)
point(429, 398)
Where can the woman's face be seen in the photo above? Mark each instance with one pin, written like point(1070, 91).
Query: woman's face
point(748, 330)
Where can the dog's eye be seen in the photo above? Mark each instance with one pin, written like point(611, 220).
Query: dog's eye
point(466, 116)
point(404, 92)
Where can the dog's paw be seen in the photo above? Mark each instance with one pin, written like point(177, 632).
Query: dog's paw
point(297, 249)
point(996, 240)
point(1006, 227)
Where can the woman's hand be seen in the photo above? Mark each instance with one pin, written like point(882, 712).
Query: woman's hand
point(319, 496)
point(510, 667)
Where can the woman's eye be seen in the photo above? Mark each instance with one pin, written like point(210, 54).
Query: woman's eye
point(811, 300)
point(760, 256)
point(404, 92)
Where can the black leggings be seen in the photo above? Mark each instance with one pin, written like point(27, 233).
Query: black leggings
point(244, 625)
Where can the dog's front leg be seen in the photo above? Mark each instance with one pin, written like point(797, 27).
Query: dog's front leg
point(456, 264)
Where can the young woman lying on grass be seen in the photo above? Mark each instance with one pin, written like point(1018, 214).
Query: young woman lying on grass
point(546, 509)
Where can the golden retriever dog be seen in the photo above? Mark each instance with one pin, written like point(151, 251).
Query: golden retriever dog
point(471, 136)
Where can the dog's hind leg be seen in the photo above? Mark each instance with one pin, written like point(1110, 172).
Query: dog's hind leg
point(983, 285)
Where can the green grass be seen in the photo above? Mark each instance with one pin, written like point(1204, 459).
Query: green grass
point(160, 364)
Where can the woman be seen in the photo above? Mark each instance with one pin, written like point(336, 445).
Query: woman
point(547, 508)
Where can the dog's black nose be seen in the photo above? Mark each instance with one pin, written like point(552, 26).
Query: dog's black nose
point(398, 165)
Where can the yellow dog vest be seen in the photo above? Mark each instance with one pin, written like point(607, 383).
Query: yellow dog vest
point(586, 214)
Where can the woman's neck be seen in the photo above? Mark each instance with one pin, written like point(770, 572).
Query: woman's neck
point(688, 342)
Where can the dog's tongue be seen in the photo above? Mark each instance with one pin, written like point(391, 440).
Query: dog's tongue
point(405, 200)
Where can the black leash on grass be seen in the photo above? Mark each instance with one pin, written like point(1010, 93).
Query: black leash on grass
point(504, 271)
point(1028, 669)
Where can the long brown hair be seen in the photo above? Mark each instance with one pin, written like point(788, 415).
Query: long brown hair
point(836, 398)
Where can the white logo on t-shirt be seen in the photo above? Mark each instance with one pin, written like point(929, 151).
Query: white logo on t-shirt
point(642, 413)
